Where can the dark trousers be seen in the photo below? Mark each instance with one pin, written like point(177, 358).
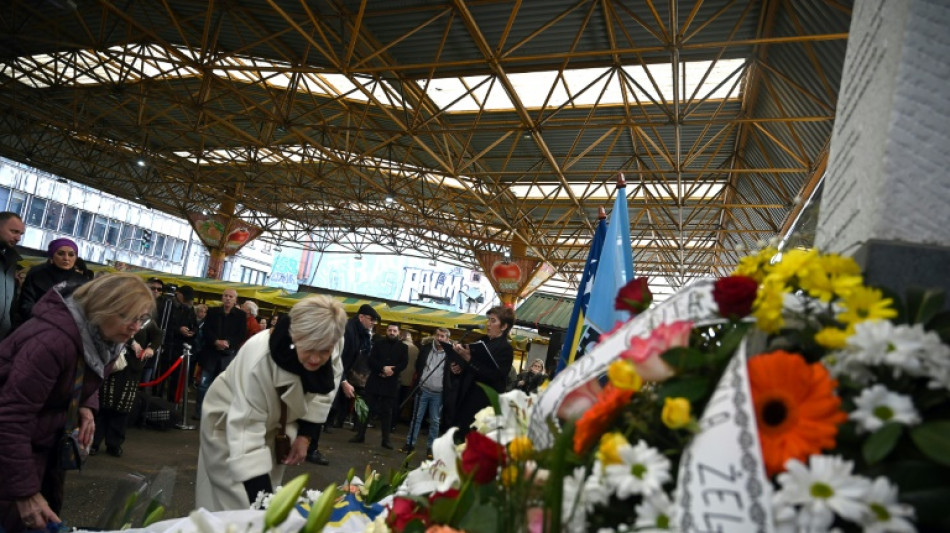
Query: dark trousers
point(381, 406)
point(110, 426)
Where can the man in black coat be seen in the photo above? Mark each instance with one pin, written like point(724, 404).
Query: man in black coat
point(357, 339)
point(225, 329)
point(387, 359)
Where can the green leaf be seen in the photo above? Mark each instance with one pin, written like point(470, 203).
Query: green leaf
point(940, 324)
point(692, 388)
point(554, 492)
point(730, 341)
point(492, 397)
point(933, 440)
point(154, 516)
point(684, 359)
point(361, 409)
point(881, 442)
point(923, 304)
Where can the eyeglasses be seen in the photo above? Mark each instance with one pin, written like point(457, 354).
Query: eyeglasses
point(142, 320)
point(156, 289)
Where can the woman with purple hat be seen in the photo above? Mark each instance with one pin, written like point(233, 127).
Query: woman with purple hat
point(60, 267)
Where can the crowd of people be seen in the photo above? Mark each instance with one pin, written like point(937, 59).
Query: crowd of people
point(76, 352)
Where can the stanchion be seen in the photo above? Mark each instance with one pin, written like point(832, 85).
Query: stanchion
point(183, 375)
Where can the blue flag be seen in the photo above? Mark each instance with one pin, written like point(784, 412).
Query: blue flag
point(614, 270)
point(575, 326)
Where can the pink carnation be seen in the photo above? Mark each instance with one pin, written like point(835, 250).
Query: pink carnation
point(645, 353)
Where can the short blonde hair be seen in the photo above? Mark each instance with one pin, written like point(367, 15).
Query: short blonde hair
point(120, 295)
point(317, 323)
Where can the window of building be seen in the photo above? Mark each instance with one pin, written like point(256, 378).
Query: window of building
point(158, 242)
point(17, 202)
point(99, 229)
point(113, 229)
point(253, 276)
point(83, 224)
point(4, 197)
point(169, 248)
point(125, 238)
point(53, 213)
point(34, 215)
point(136, 244)
point(68, 222)
point(179, 252)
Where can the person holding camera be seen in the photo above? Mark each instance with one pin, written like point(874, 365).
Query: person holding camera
point(262, 411)
point(51, 368)
point(225, 329)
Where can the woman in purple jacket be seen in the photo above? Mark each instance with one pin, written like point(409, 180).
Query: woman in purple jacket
point(38, 366)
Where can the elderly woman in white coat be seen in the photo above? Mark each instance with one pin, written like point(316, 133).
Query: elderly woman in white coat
point(297, 362)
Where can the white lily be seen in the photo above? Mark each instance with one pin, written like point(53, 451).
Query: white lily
point(440, 473)
point(513, 420)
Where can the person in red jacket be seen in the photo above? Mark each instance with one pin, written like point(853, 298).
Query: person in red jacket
point(40, 364)
point(253, 326)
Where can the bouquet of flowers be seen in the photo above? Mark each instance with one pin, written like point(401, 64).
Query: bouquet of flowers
point(848, 422)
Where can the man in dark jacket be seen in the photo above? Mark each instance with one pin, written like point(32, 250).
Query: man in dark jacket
point(225, 329)
point(357, 339)
point(11, 229)
point(387, 359)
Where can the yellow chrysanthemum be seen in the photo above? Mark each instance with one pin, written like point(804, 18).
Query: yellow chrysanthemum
point(756, 266)
point(795, 264)
point(768, 307)
point(865, 303)
point(833, 338)
point(609, 451)
point(510, 475)
point(623, 375)
point(520, 448)
point(839, 265)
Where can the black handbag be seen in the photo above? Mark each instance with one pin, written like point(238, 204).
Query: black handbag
point(282, 441)
point(71, 456)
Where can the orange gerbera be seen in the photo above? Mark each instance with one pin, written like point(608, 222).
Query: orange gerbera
point(592, 424)
point(796, 408)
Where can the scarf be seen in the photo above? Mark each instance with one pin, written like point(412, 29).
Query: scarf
point(284, 353)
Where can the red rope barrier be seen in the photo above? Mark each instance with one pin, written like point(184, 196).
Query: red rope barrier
point(164, 376)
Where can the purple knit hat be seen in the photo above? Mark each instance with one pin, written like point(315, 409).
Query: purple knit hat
point(59, 243)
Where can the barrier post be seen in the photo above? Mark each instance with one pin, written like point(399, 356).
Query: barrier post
point(184, 375)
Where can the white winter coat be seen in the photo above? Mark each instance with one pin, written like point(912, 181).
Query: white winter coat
point(240, 417)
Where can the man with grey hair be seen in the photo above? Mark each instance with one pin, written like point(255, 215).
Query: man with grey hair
point(225, 330)
point(253, 326)
point(11, 230)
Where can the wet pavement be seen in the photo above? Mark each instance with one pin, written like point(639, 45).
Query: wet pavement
point(146, 452)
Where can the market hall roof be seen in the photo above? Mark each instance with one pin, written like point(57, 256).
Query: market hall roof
point(439, 128)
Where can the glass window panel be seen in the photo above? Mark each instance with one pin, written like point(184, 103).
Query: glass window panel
point(125, 238)
point(159, 244)
point(17, 202)
point(53, 213)
point(99, 229)
point(136, 244)
point(34, 215)
point(4, 197)
point(68, 223)
point(169, 249)
point(179, 252)
point(113, 228)
point(84, 224)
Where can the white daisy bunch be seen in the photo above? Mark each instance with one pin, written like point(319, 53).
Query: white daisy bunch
point(813, 495)
point(877, 405)
point(516, 407)
point(641, 469)
point(656, 513)
point(906, 350)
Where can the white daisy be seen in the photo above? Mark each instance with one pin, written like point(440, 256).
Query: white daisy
point(905, 349)
point(642, 470)
point(655, 513)
point(884, 513)
point(877, 406)
point(936, 360)
point(824, 488)
point(574, 507)
point(596, 489)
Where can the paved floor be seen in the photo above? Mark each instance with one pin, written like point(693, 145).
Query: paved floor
point(147, 452)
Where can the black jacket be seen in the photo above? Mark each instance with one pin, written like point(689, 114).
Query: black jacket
point(231, 327)
point(462, 397)
point(40, 279)
point(355, 339)
point(386, 352)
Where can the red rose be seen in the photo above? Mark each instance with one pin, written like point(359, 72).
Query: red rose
point(635, 296)
point(451, 494)
point(403, 511)
point(734, 296)
point(482, 457)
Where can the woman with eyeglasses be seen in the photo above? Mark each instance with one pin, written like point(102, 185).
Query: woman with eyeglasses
point(51, 368)
point(59, 267)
